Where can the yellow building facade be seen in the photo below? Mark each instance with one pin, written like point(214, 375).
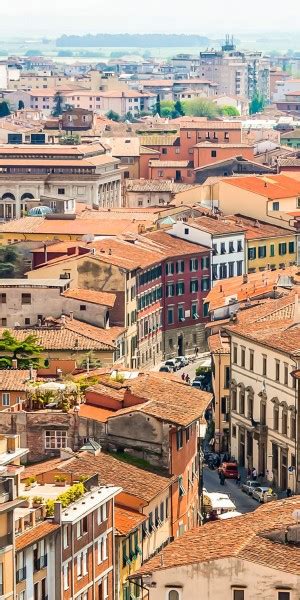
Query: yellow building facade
point(271, 252)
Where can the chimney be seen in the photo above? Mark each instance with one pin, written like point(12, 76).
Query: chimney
point(31, 372)
point(71, 315)
point(57, 512)
point(245, 278)
point(14, 363)
point(63, 319)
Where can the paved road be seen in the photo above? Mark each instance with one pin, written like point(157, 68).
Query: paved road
point(243, 502)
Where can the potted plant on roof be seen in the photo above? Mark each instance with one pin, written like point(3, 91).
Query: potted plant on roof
point(60, 480)
point(30, 482)
point(37, 501)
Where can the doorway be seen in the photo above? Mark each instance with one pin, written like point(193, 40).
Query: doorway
point(180, 345)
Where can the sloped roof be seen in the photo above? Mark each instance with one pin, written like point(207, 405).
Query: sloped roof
point(95, 297)
point(14, 379)
point(127, 520)
point(34, 535)
point(273, 187)
point(244, 539)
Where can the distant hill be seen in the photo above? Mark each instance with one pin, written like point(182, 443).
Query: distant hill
point(128, 40)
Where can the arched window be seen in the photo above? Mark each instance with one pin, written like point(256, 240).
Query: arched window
point(293, 425)
point(233, 398)
point(27, 196)
point(276, 417)
point(284, 421)
point(173, 595)
point(8, 196)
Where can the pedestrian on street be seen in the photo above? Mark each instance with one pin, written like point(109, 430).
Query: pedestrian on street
point(183, 376)
point(254, 474)
point(196, 351)
point(288, 493)
point(238, 480)
point(187, 378)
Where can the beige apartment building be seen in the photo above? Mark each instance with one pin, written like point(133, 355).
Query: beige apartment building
point(220, 353)
point(265, 343)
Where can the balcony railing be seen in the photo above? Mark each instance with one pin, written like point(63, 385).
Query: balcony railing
point(40, 563)
point(21, 574)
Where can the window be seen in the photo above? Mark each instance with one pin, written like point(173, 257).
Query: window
point(180, 266)
point(5, 399)
point(272, 250)
point(240, 246)
point(181, 489)
point(251, 360)
point(173, 595)
point(227, 377)
point(26, 299)
point(164, 150)
point(179, 439)
point(262, 251)
point(291, 247)
point(205, 284)
point(284, 421)
point(82, 527)
point(231, 247)
point(102, 549)
point(293, 426)
point(181, 313)
point(170, 290)
point(193, 286)
point(105, 587)
point(180, 288)
point(60, 191)
point(55, 439)
point(213, 154)
point(276, 417)
point(102, 513)
point(170, 316)
point(223, 248)
point(2, 298)
point(277, 370)
point(194, 264)
point(243, 355)
point(215, 249)
point(239, 267)
point(286, 374)
point(264, 365)
point(251, 253)
point(235, 354)
point(234, 431)
point(238, 594)
point(242, 401)
point(205, 262)
point(231, 269)
point(284, 595)
point(170, 269)
point(162, 512)
point(66, 577)
point(275, 206)
point(263, 413)
point(223, 271)
point(282, 249)
point(66, 536)
point(194, 310)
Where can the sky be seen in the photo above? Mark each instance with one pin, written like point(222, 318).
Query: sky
point(38, 18)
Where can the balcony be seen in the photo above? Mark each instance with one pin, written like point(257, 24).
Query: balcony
point(40, 563)
point(21, 575)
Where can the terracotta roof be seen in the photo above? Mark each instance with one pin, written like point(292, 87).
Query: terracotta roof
point(172, 246)
point(176, 164)
point(30, 537)
point(144, 150)
point(245, 539)
point(157, 185)
point(218, 344)
point(71, 336)
point(14, 379)
point(270, 186)
point(158, 140)
point(255, 229)
point(193, 123)
point(257, 285)
point(40, 468)
point(134, 481)
point(102, 298)
point(127, 520)
point(165, 398)
point(42, 226)
point(216, 226)
point(95, 413)
point(123, 146)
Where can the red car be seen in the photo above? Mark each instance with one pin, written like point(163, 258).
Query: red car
point(230, 470)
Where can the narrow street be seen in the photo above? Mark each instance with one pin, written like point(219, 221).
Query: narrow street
point(242, 501)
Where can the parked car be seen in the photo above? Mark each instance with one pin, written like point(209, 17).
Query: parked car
point(204, 380)
point(173, 364)
point(230, 470)
point(165, 369)
point(264, 494)
point(249, 486)
point(184, 361)
point(197, 384)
